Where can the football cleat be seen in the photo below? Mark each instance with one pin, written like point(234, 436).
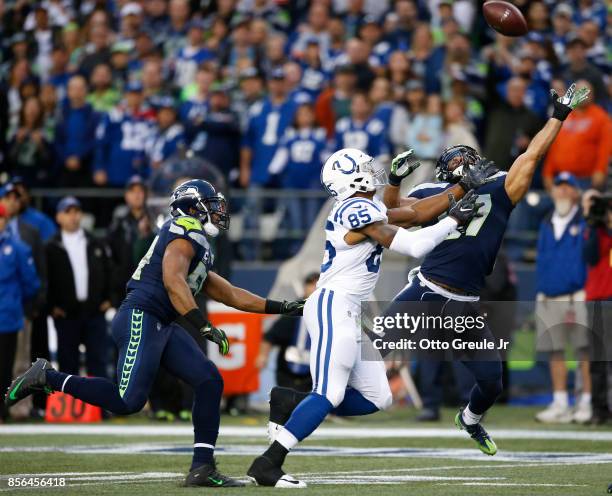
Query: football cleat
point(207, 476)
point(478, 433)
point(31, 381)
point(282, 403)
point(263, 472)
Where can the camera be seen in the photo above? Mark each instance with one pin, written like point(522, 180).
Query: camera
point(599, 208)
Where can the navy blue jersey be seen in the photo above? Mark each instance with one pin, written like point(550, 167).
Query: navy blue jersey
point(146, 287)
point(462, 261)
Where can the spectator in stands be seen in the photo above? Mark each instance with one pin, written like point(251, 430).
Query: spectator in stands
point(267, 123)
point(334, 103)
point(131, 223)
point(597, 249)
point(362, 130)
point(580, 68)
point(302, 150)
point(97, 51)
point(76, 135)
point(293, 342)
point(218, 137)
point(19, 282)
point(79, 292)
point(102, 97)
point(562, 27)
point(561, 312)
point(59, 74)
point(457, 129)
point(30, 154)
point(167, 136)
point(121, 138)
point(195, 100)
point(30, 215)
point(583, 146)
point(425, 132)
point(503, 145)
point(189, 57)
point(34, 323)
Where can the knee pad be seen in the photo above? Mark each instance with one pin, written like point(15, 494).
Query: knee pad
point(385, 400)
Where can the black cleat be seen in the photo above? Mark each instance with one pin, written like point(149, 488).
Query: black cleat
point(282, 403)
point(208, 476)
point(31, 381)
point(264, 473)
point(478, 433)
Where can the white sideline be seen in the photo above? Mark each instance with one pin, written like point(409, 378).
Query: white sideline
point(321, 433)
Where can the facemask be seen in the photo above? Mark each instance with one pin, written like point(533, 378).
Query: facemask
point(563, 206)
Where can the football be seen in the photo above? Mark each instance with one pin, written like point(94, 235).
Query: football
point(505, 18)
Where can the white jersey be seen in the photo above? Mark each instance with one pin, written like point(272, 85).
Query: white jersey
point(352, 269)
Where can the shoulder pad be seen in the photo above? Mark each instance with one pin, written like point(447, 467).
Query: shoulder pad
point(187, 223)
point(356, 213)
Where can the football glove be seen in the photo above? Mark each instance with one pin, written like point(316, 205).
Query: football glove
point(464, 210)
point(478, 175)
point(217, 336)
point(402, 166)
point(563, 105)
point(291, 308)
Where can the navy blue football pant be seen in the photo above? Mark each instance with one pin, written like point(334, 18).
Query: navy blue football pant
point(144, 343)
point(486, 373)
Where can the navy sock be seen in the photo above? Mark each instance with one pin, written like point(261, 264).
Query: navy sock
point(354, 404)
point(93, 390)
point(206, 420)
point(308, 415)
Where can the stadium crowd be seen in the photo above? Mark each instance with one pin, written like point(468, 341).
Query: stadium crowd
point(109, 93)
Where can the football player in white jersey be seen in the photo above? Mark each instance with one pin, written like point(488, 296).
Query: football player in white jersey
point(357, 230)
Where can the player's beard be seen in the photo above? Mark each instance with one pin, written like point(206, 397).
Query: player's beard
point(563, 206)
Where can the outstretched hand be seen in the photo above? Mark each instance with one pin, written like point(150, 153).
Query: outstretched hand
point(573, 98)
point(402, 166)
point(479, 174)
point(466, 209)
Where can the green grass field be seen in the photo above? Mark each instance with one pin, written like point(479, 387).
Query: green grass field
point(387, 453)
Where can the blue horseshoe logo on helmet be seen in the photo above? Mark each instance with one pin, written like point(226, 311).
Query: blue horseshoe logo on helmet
point(354, 167)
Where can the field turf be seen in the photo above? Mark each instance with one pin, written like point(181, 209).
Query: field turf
point(387, 453)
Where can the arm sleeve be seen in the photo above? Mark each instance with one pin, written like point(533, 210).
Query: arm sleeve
point(419, 243)
point(279, 161)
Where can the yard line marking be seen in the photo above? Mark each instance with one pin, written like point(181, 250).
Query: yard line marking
point(321, 433)
point(518, 484)
point(461, 454)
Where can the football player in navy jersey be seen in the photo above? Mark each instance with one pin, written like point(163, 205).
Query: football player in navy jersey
point(176, 267)
point(455, 270)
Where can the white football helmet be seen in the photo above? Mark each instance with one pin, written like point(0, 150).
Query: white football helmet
point(349, 171)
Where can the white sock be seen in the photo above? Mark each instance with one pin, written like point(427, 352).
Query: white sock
point(560, 398)
point(286, 439)
point(585, 399)
point(469, 417)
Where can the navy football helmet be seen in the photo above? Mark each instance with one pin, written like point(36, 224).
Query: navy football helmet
point(198, 198)
point(450, 165)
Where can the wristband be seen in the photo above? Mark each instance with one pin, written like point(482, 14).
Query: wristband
point(394, 179)
point(196, 319)
point(560, 112)
point(273, 307)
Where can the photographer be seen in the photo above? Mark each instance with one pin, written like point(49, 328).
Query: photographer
point(597, 254)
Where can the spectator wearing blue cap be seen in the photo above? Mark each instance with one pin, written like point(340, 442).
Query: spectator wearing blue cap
point(561, 313)
point(75, 136)
point(120, 141)
point(18, 283)
point(79, 291)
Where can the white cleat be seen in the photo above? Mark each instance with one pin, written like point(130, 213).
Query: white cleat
point(583, 413)
point(555, 414)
